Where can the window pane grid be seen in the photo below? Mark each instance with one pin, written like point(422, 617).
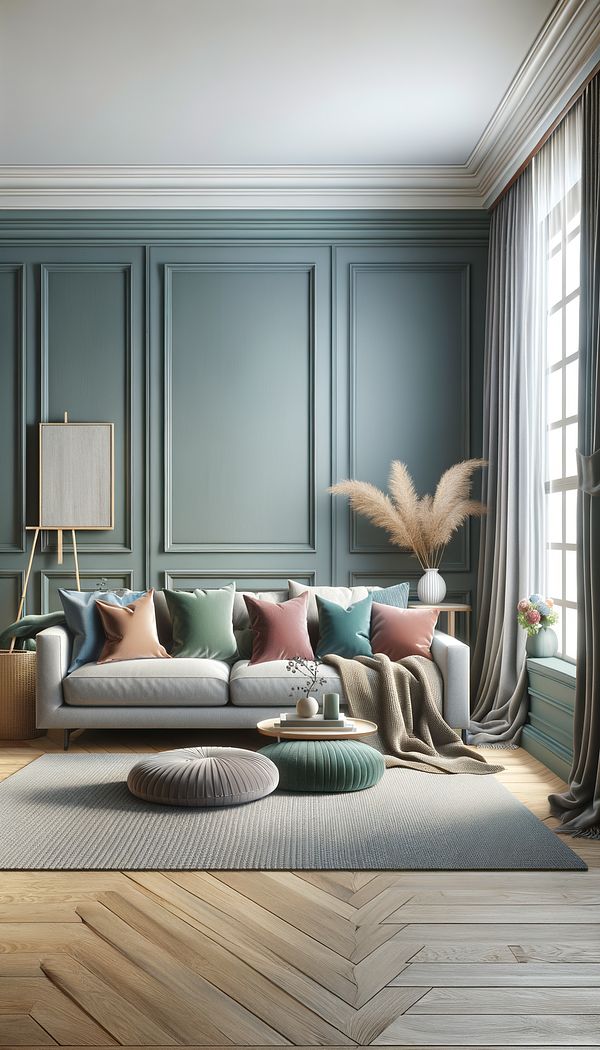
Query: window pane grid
point(561, 392)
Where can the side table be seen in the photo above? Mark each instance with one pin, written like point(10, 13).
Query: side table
point(450, 609)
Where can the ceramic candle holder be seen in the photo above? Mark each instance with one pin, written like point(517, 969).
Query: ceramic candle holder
point(331, 705)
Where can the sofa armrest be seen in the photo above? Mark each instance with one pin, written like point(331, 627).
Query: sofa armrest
point(453, 659)
point(53, 657)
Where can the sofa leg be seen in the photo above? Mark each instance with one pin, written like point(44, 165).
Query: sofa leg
point(66, 739)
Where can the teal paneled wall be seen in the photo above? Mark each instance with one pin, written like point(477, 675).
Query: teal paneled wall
point(247, 360)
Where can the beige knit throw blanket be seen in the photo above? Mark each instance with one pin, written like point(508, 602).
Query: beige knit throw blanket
point(400, 698)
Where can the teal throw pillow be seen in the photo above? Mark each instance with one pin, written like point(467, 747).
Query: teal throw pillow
point(83, 621)
point(202, 623)
point(344, 632)
point(397, 595)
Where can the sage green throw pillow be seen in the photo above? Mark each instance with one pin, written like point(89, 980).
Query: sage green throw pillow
point(344, 632)
point(203, 623)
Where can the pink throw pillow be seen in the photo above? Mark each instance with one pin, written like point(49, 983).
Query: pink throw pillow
point(279, 630)
point(402, 632)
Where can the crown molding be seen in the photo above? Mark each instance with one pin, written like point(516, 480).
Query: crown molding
point(561, 57)
point(238, 187)
point(559, 60)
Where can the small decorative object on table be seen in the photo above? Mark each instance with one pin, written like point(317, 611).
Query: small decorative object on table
point(536, 616)
point(331, 705)
point(423, 525)
point(306, 705)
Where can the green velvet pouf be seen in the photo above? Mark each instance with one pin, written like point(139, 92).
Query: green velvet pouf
point(325, 765)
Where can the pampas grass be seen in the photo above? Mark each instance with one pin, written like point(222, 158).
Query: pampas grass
point(421, 524)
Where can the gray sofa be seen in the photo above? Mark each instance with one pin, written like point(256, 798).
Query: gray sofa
point(195, 693)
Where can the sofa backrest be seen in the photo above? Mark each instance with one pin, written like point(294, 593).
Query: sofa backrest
point(241, 620)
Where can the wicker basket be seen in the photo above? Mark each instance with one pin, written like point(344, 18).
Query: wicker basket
point(17, 695)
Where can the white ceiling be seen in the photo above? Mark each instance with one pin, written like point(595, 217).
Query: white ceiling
point(256, 82)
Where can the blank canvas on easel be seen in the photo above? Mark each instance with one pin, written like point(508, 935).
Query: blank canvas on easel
point(76, 476)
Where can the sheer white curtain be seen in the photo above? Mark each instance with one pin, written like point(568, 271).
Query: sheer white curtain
point(512, 562)
point(557, 199)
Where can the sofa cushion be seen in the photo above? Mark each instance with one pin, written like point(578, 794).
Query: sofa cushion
point(130, 631)
point(202, 624)
point(279, 630)
point(269, 684)
point(241, 621)
point(149, 683)
point(83, 620)
point(402, 632)
point(344, 631)
point(163, 620)
point(396, 595)
point(343, 596)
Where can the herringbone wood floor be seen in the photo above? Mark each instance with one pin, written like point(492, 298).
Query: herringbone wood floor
point(307, 958)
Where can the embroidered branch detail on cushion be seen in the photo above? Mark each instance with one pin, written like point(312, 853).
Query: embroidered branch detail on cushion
point(279, 630)
point(130, 631)
point(402, 632)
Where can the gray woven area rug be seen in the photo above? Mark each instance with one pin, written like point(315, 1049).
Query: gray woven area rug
point(75, 812)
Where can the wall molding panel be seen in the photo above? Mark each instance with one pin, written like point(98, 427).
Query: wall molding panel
point(462, 410)
point(282, 546)
point(18, 545)
point(9, 603)
point(263, 316)
point(92, 545)
point(49, 581)
point(261, 579)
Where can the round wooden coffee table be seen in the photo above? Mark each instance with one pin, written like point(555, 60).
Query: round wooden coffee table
point(271, 727)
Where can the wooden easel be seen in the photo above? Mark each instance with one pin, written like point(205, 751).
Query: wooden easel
point(36, 529)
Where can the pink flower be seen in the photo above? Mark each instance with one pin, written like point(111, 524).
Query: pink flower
point(532, 616)
point(550, 602)
point(523, 605)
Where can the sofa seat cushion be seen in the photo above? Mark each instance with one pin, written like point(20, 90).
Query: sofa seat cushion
point(269, 684)
point(149, 683)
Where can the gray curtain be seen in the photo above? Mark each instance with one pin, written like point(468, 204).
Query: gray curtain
point(510, 554)
point(579, 807)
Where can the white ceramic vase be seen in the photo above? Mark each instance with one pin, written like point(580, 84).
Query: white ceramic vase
point(543, 644)
point(431, 588)
point(307, 707)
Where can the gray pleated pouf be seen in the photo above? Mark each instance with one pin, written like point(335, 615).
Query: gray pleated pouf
point(203, 776)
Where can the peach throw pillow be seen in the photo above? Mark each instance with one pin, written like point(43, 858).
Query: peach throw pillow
point(130, 631)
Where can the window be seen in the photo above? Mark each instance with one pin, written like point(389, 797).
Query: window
point(562, 368)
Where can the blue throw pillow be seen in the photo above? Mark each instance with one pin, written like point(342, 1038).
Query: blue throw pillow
point(344, 632)
point(397, 595)
point(83, 621)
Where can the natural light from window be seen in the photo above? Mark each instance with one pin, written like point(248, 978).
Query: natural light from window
point(562, 401)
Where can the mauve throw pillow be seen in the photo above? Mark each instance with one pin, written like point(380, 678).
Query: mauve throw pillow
point(130, 631)
point(402, 632)
point(279, 630)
